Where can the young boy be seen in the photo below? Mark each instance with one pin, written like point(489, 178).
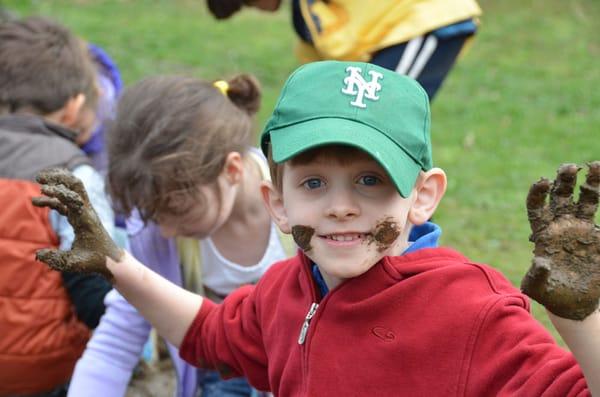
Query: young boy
point(371, 305)
point(47, 93)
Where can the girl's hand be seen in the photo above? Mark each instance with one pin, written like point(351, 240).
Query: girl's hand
point(66, 194)
point(565, 273)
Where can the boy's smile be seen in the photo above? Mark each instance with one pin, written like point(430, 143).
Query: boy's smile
point(345, 215)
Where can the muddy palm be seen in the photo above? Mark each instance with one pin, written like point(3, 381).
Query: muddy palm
point(66, 194)
point(565, 273)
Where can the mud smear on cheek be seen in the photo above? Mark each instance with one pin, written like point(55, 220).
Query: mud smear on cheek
point(384, 234)
point(302, 235)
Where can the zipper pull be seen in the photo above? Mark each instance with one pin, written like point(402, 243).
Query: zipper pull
point(304, 330)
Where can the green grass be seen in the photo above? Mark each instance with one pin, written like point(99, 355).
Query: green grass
point(523, 100)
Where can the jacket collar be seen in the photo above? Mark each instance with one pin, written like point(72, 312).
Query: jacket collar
point(32, 124)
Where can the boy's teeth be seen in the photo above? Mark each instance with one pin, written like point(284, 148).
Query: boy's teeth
point(344, 237)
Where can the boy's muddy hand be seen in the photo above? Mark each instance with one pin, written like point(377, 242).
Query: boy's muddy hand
point(66, 194)
point(565, 273)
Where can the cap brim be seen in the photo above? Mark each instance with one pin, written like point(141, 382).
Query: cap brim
point(291, 140)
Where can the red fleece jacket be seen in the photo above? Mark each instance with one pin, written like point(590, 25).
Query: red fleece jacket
point(425, 323)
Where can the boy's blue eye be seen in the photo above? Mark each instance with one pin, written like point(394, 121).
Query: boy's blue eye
point(313, 183)
point(368, 180)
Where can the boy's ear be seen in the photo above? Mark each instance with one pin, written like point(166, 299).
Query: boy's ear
point(69, 114)
point(233, 169)
point(429, 190)
point(274, 202)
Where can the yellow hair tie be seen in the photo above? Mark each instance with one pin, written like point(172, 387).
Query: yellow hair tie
point(222, 86)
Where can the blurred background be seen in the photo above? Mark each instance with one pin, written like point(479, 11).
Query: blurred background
point(522, 100)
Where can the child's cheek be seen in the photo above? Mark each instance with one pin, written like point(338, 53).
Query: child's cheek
point(385, 233)
point(302, 235)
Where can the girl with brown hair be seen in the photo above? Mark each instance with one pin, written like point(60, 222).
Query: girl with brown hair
point(182, 167)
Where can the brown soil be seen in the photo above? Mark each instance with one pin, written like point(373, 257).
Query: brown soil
point(156, 380)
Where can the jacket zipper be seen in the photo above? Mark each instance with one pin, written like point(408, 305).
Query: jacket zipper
point(306, 323)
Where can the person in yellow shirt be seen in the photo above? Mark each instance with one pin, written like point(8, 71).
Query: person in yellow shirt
point(418, 38)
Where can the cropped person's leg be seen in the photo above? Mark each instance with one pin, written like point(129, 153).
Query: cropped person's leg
point(427, 58)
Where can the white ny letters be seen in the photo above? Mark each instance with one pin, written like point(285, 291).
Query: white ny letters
point(359, 87)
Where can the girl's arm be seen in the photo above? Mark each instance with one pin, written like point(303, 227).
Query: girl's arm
point(114, 350)
point(110, 356)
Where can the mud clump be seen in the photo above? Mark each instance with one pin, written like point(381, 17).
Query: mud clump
point(565, 271)
point(302, 235)
point(385, 233)
point(65, 193)
point(565, 276)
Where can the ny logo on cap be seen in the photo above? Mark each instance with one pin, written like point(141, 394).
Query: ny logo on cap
point(356, 85)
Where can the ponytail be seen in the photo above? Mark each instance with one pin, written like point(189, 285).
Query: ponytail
point(245, 93)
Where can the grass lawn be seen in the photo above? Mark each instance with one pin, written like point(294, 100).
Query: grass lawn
point(524, 99)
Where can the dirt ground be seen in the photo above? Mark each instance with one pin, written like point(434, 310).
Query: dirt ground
point(156, 380)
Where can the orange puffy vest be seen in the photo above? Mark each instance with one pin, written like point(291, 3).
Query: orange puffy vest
point(40, 335)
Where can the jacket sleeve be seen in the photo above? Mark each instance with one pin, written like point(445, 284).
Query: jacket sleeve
point(115, 347)
point(514, 355)
point(87, 292)
point(227, 337)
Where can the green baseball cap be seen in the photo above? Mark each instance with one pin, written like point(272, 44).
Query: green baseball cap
point(357, 104)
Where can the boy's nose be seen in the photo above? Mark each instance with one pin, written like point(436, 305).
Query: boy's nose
point(342, 206)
